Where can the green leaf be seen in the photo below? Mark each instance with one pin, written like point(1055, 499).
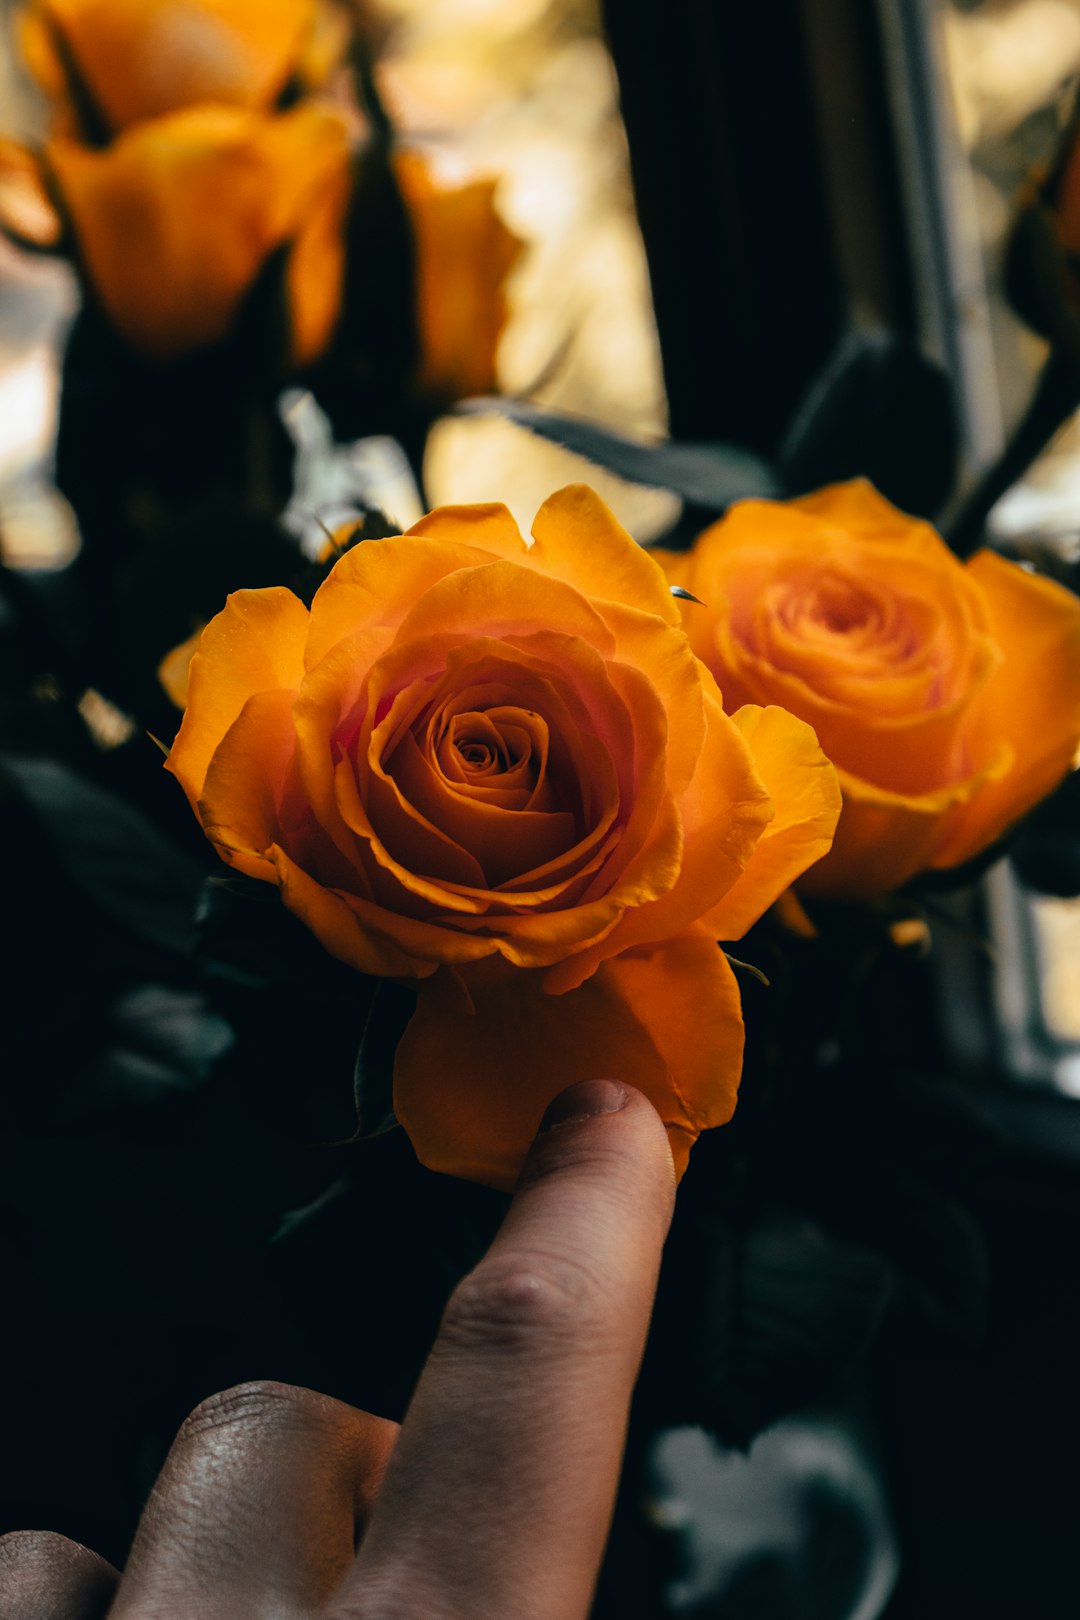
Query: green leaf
point(756, 1321)
point(707, 475)
point(159, 1040)
point(882, 410)
point(113, 854)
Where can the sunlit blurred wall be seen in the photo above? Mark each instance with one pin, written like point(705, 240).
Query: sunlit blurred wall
point(525, 89)
point(1012, 67)
point(37, 298)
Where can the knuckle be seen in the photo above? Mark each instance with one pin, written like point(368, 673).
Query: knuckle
point(44, 1574)
point(529, 1300)
point(256, 1405)
point(38, 1547)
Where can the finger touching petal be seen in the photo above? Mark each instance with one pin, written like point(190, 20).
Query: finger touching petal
point(477, 1066)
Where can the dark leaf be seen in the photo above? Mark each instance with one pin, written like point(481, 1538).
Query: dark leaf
point(879, 410)
point(112, 853)
point(1054, 399)
point(247, 937)
point(294, 1219)
point(159, 1040)
point(706, 475)
point(756, 1322)
point(389, 1011)
point(1046, 853)
point(938, 1251)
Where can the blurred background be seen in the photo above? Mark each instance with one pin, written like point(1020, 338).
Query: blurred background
point(714, 199)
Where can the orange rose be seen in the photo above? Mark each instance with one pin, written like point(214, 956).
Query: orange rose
point(498, 772)
point(138, 59)
point(173, 222)
point(948, 694)
point(464, 253)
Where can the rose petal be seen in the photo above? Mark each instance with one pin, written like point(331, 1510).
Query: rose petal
point(315, 272)
point(579, 539)
point(1032, 703)
point(245, 782)
point(501, 599)
point(805, 791)
point(643, 642)
point(339, 926)
point(424, 861)
point(857, 505)
point(175, 219)
point(892, 711)
point(723, 814)
point(255, 644)
point(883, 839)
point(375, 584)
point(476, 1068)
point(503, 841)
point(141, 59)
point(464, 253)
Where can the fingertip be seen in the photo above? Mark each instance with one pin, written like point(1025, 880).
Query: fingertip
point(608, 1133)
point(585, 1099)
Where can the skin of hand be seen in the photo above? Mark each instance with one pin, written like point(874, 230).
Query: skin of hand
point(494, 1498)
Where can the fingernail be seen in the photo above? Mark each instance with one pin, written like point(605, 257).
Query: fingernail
point(585, 1100)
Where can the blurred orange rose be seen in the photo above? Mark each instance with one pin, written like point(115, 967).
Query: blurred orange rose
point(498, 771)
point(173, 222)
point(948, 694)
point(137, 59)
point(464, 253)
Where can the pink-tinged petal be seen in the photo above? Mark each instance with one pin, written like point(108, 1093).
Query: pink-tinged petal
point(477, 1066)
point(337, 926)
point(504, 599)
point(376, 584)
point(723, 813)
point(255, 644)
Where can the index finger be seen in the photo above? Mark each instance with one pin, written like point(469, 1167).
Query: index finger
point(498, 1497)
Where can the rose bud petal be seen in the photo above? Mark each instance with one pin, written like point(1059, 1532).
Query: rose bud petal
point(139, 59)
point(464, 254)
point(176, 218)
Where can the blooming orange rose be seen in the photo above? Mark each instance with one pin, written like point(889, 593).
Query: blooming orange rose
point(464, 253)
point(173, 222)
point(498, 772)
point(948, 694)
point(138, 59)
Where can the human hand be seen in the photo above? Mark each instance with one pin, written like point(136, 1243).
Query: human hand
point(492, 1501)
